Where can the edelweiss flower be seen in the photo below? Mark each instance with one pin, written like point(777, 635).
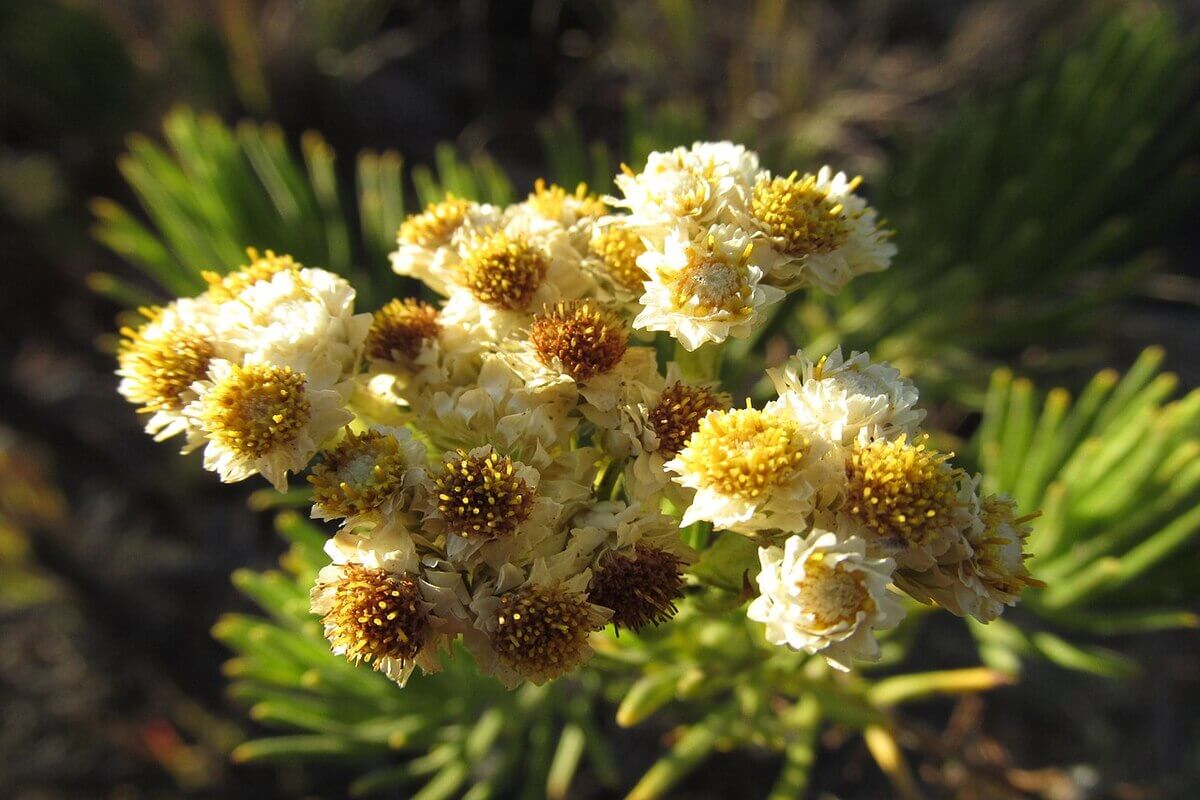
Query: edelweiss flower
point(820, 232)
point(994, 574)
point(367, 477)
point(161, 360)
point(637, 559)
point(372, 605)
point(698, 186)
point(295, 316)
point(706, 289)
point(425, 242)
point(822, 595)
point(263, 418)
point(534, 628)
point(842, 398)
point(751, 470)
point(909, 502)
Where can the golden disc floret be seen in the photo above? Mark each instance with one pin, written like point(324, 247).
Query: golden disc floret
point(434, 226)
point(360, 474)
point(583, 336)
point(482, 497)
point(503, 271)
point(677, 414)
point(542, 631)
point(640, 586)
point(799, 214)
point(158, 371)
point(256, 409)
point(745, 452)
point(376, 614)
point(711, 283)
point(832, 593)
point(400, 328)
point(900, 489)
point(617, 248)
point(261, 268)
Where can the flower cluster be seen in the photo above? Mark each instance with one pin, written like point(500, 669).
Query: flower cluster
point(509, 467)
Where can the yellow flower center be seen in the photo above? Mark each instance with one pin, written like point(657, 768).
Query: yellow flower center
point(677, 414)
point(256, 409)
point(261, 268)
point(900, 489)
point(584, 337)
point(745, 453)
point(434, 226)
point(710, 283)
point(503, 271)
point(160, 370)
point(481, 497)
point(640, 587)
point(400, 328)
point(541, 631)
point(550, 201)
point(795, 211)
point(360, 474)
point(618, 247)
point(376, 615)
point(832, 594)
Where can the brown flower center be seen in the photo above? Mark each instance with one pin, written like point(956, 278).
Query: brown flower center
point(375, 615)
point(585, 338)
point(677, 414)
point(256, 409)
point(481, 497)
point(503, 271)
point(400, 328)
point(640, 587)
point(360, 474)
point(542, 631)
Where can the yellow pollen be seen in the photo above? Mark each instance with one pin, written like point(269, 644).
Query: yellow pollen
point(618, 247)
point(160, 370)
point(901, 490)
point(261, 268)
point(481, 497)
point(586, 338)
point(550, 201)
point(744, 453)
point(709, 283)
point(400, 328)
point(795, 211)
point(434, 226)
point(375, 615)
point(503, 271)
point(542, 631)
point(256, 409)
point(360, 474)
point(833, 595)
point(677, 414)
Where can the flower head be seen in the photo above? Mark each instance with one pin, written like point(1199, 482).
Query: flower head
point(908, 499)
point(483, 495)
point(366, 473)
point(401, 329)
point(751, 469)
point(819, 231)
point(262, 418)
point(704, 289)
point(229, 286)
point(823, 595)
point(580, 337)
point(615, 248)
point(375, 616)
point(541, 632)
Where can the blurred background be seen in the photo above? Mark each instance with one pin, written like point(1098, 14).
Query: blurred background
point(1039, 160)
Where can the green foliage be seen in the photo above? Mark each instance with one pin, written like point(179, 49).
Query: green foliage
point(1117, 476)
point(449, 735)
point(214, 191)
point(1013, 226)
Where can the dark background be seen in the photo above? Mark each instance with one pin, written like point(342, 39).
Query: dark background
point(115, 553)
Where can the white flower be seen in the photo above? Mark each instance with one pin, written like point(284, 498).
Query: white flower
point(820, 232)
point(822, 595)
point(264, 418)
point(842, 398)
point(426, 246)
point(751, 470)
point(300, 317)
point(704, 184)
point(160, 360)
point(533, 627)
point(368, 477)
point(372, 600)
point(704, 289)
